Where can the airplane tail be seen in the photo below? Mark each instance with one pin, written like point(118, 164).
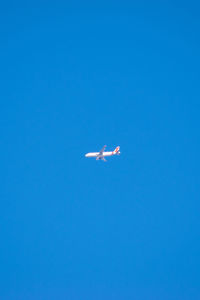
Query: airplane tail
point(116, 151)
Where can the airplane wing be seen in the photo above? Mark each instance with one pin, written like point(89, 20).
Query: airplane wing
point(101, 158)
point(101, 152)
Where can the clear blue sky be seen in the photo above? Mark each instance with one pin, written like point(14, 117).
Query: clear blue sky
point(73, 78)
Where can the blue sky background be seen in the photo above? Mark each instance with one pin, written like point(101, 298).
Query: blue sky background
point(73, 78)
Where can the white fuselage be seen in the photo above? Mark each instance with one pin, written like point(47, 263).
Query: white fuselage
point(95, 154)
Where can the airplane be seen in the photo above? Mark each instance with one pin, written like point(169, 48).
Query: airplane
point(101, 154)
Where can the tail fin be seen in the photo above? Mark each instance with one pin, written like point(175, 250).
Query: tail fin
point(116, 151)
